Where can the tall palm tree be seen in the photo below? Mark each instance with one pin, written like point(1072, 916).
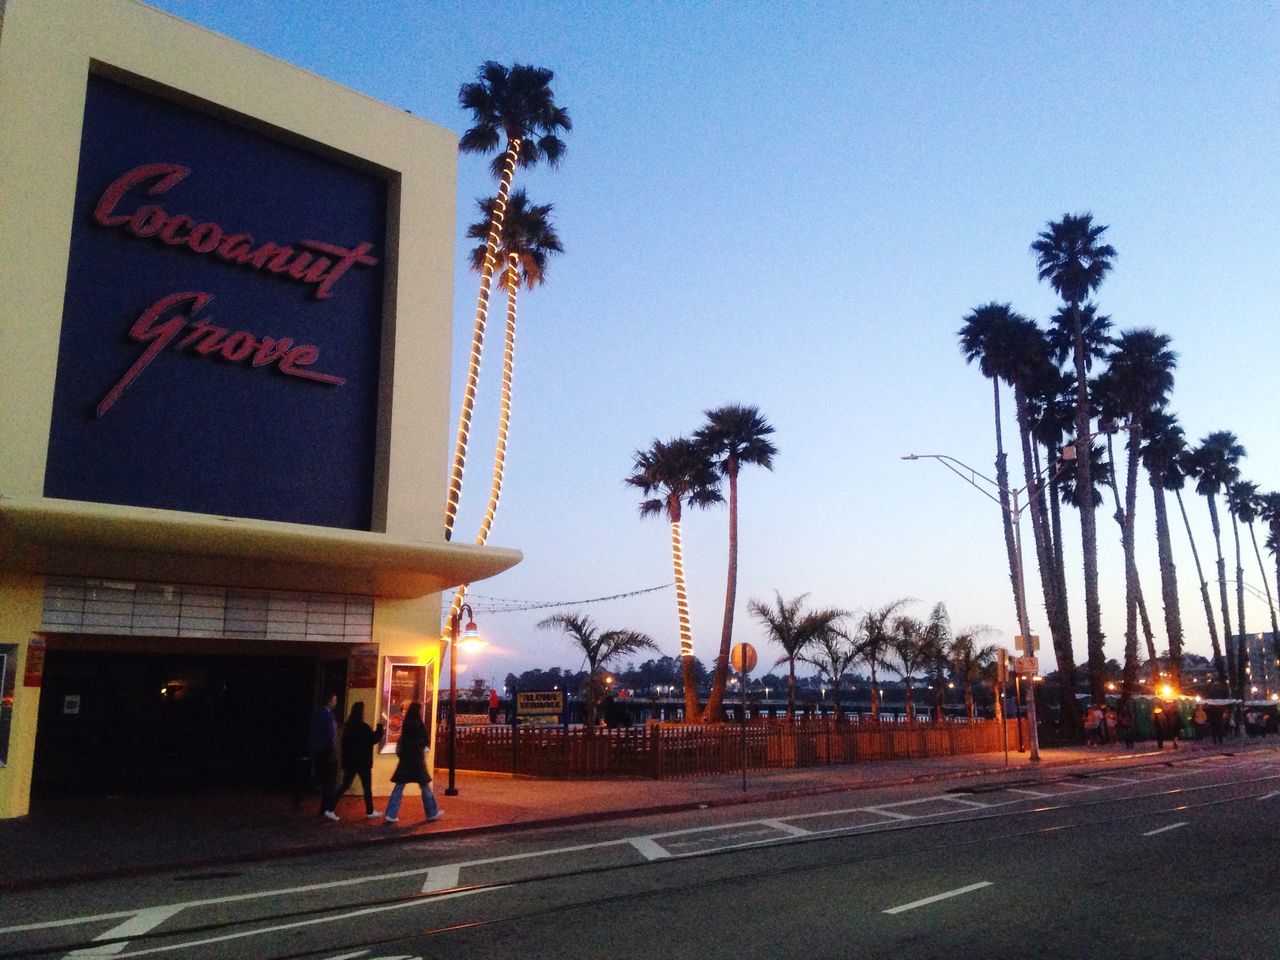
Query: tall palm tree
point(1070, 254)
point(599, 648)
point(733, 436)
point(1176, 475)
point(517, 104)
point(528, 238)
point(1138, 379)
point(1239, 498)
point(876, 631)
point(832, 652)
point(671, 475)
point(1215, 464)
point(909, 654)
point(1162, 442)
point(986, 337)
point(794, 629)
point(1251, 508)
point(1269, 510)
point(969, 661)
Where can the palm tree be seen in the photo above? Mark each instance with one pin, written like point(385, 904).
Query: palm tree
point(598, 648)
point(794, 629)
point(969, 661)
point(1240, 496)
point(832, 652)
point(1215, 465)
point(528, 239)
point(1175, 478)
point(909, 653)
point(1251, 508)
point(517, 104)
point(877, 634)
point(733, 436)
point(986, 337)
point(1138, 379)
point(1071, 256)
point(935, 647)
point(1269, 510)
point(671, 475)
point(1162, 442)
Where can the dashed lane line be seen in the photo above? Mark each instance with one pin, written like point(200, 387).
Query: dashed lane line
point(441, 878)
point(903, 908)
point(788, 828)
point(1172, 826)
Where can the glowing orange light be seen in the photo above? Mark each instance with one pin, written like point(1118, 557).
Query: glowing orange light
point(1166, 690)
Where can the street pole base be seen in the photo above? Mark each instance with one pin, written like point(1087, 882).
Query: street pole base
point(451, 791)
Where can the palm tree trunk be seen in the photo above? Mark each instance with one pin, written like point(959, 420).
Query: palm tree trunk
point(1088, 523)
point(716, 698)
point(1168, 580)
point(1002, 486)
point(1271, 607)
point(1222, 589)
point(1130, 568)
point(791, 688)
point(1129, 549)
point(589, 708)
point(477, 337)
point(875, 691)
point(1067, 659)
point(1242, 656)
point(682, 609)
point(969, 708)
point(1055, 611)
point(1204, 593)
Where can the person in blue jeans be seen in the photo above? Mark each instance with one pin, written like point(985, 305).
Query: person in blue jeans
point(411, 767)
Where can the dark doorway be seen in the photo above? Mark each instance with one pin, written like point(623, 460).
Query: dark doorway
point(150, 723)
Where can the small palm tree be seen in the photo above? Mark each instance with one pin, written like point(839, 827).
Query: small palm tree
point(833, 652)
point(733, 436)
point(1240, 497)
point(1269, 511)
point(598, 648)
point(876, 631)
point(671, 475)
point(1070, 255)
point(1178, 471)
point(517, 104)
point(969, 661)
point(794, 629)
point(909, 653)
point(1162, 442)
point(935, 644)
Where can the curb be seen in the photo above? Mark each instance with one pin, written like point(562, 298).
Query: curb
point(423, 832)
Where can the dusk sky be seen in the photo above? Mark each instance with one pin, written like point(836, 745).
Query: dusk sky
point(794, 206)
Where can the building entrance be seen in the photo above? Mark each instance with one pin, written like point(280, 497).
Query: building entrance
point(169, 722)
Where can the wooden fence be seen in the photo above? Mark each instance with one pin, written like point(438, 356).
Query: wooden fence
point(667, 751)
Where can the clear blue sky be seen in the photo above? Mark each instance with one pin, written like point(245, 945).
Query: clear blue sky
point(793, 206)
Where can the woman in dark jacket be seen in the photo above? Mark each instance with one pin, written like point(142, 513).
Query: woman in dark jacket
point(358, 741)
point(412, 766)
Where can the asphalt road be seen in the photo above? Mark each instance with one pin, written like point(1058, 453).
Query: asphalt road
point(1170, 861)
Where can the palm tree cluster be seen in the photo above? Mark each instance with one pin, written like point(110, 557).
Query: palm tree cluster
point(690, 471)
point(599, 648)
point(1076, 385)
point(834, 641)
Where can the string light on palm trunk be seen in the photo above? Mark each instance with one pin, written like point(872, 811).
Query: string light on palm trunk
point(477, 338)
point(682, 599)
point(504, 404)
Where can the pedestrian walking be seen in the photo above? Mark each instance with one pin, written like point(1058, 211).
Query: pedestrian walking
point(1108, 723)
point(1093, 725)
point(1124, 725)
point(358, 741)
point(412, 767)
point(322, 744)
point(1218, 723)
point(1200, 719)
point(494, 704)
point(1157, 725)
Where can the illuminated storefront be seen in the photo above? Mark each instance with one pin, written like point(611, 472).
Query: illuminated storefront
point(225, 290)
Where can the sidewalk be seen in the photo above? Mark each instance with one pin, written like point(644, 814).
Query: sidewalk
point(71, 839)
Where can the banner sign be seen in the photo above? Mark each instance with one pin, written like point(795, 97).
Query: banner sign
point(539, 703)
point(33, 673)
point(362, 668)
point(222, 336)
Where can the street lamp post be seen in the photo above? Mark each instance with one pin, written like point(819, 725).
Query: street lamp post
point(971, 476)
point(455, 623)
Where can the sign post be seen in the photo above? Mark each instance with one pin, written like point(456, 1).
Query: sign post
point(743, 657)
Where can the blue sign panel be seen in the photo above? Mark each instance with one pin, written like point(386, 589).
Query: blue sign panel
point(222, 329)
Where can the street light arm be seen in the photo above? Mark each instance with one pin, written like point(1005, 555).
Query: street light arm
point(961, 470)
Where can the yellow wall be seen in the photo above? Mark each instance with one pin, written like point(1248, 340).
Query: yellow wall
point(46, 52)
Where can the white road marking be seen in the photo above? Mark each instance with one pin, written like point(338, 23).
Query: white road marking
point(650, 848)
point(442, 878)
point(938, 896)
point(1029, 793)
point(144, 921)
point(1110, 776)
point(314, 921)
point(967, 803)
point(1172, 826)
point(787, 828)
point(1268, 796)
